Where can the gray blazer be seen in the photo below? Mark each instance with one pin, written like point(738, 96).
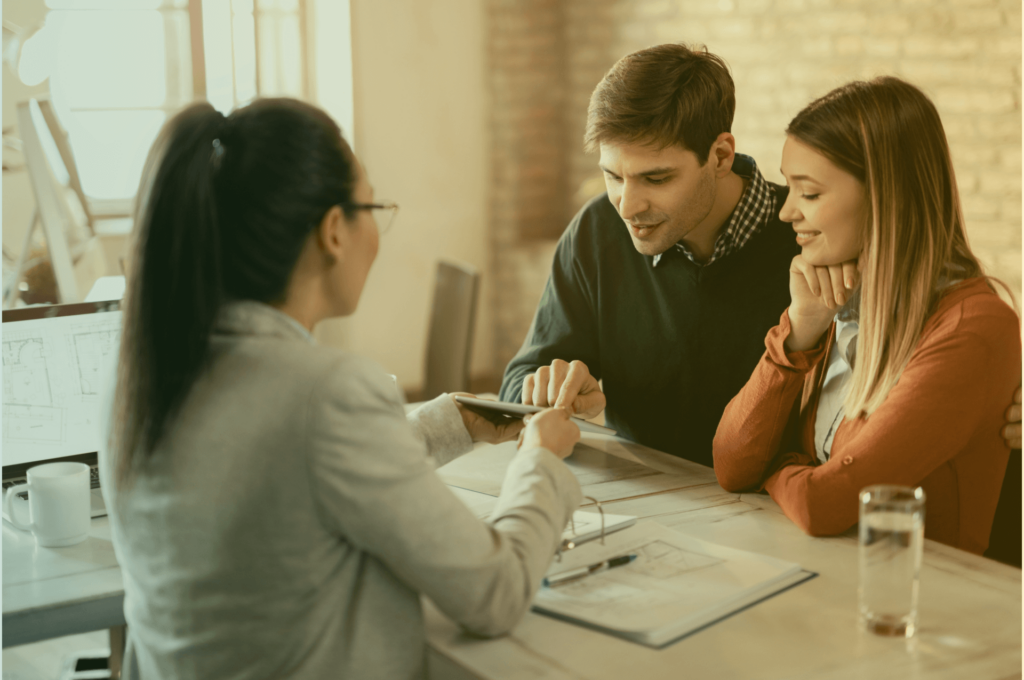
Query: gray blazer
point(290, 519)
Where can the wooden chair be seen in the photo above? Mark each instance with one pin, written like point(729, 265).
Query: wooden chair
point(450, 338)
point(1004, 542)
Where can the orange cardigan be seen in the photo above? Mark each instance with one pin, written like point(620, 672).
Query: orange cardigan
point(939, 427)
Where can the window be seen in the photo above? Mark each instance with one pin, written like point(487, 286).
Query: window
point(119, 68)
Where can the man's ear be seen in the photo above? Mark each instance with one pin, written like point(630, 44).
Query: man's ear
point(331, 234)
point(723, 153)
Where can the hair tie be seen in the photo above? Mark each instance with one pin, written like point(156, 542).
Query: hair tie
point(217, 154)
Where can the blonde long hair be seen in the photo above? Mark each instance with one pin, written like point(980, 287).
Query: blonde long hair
point(888, 134)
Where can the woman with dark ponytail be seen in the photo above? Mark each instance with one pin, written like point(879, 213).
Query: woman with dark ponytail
point(274, 512)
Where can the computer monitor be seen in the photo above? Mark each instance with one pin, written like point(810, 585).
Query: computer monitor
point(54, 359)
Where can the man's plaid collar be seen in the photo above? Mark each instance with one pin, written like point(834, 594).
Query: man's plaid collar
point(755, 208)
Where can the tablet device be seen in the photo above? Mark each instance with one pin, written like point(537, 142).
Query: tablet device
point(496, 411)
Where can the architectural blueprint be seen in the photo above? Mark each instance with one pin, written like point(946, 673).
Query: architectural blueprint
point(52, 371)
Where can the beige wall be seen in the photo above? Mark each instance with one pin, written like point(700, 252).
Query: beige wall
point(420, 131)
point(17, 192)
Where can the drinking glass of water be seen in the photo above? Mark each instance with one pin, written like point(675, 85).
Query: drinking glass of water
point(891, 542)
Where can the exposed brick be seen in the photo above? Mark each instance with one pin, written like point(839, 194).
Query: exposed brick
point(682, 30)
point(788, 6)
point(546, 56)
point(1010, 209)
point(940, 46)
point(977, 19)
point(882, 47)
point(1010, 159)
point(999, 183)
point(750, 7)
point(975, 100)
point(936, 20)
point(849, 45)
point(957, 72)
point(889, 22)
point(988, 236)
point(840, 22)
point(723, 9)
point(979, 208)
point(966, 182)
point(654, 9)
point(959, 128)
point(1005, 46)
point(999, 128)
point(732, 29)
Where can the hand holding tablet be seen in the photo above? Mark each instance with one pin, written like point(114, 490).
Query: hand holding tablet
point(502, 411)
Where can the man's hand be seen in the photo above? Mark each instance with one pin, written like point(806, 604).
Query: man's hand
point(483, 430)
point(1011, 433)
point(815, 293)
point(565, 385)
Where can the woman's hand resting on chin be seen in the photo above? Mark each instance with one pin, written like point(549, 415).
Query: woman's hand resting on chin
point(816, 292)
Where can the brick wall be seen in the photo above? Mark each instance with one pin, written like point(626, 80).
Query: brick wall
point(529, 156)
point(965, 54)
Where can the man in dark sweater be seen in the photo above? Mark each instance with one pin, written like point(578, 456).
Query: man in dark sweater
point(665, 286)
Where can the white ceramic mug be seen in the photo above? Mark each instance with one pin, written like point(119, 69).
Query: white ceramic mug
point(58, 501)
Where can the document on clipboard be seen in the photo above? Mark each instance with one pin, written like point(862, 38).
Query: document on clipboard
point(673, 584)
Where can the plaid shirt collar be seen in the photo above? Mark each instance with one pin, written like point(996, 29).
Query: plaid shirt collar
point(755, 208)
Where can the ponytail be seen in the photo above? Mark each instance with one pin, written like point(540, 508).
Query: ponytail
point(224, 209)
point(175, 290)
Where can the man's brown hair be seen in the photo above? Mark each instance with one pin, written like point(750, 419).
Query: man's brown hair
point(663, 95)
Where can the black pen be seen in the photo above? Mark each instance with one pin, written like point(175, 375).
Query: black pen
point(574, 574)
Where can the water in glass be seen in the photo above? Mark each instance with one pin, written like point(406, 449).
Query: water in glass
point(890, 560)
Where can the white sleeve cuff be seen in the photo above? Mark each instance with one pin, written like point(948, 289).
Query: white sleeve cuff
point(438, 424)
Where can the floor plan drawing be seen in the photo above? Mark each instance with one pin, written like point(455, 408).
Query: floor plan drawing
point(25, 376)
point(29, 415)
point(92, 351)
point(53, 369)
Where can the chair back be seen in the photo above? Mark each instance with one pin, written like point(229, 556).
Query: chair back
point(450, 338)
point(1004, 542)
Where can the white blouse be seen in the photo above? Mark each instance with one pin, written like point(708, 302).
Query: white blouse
point(836, 387)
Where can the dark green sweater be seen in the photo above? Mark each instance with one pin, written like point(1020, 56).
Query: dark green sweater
point(673, 343)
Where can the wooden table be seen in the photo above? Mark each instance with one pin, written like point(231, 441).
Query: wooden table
point(970, 607)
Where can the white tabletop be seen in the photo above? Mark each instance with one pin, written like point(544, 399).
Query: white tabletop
point(51, 592)
point(970, 607)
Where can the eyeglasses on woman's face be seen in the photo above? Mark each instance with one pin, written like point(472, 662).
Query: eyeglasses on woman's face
point(384, 221)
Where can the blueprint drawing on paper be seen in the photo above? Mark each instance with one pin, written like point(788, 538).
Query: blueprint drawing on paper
point(52, 372)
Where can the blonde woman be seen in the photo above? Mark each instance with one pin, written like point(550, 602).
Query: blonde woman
point(895, 358)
